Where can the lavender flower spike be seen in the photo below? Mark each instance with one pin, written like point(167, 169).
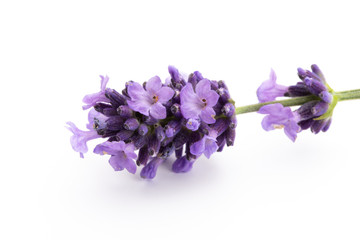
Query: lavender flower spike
point(200, 103)
point(270, 90)
point(280, 117)
point(150, 101)
point(122, 155)
point(188, 115)
point(91, 99)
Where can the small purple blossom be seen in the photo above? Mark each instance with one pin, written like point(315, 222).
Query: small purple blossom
point(207, 145)
point(91, 99)
point(80, 138)
point(150, 101)
point(270, 90)
point(280, 117)
point(199, 103)
point(315, 114)
point(122, 155)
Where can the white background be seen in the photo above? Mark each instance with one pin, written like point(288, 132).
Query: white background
point(265, 187)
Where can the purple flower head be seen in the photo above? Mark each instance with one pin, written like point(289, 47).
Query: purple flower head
point(315, 114)
point(122, 155)
point(199, 103)
point(80, 138)
point(189, 115)
point(149, 171)
point(207, 145)
point(182, 165)
point(91, 99)
point(280, 117)
point(150, 101)
point(270, 90)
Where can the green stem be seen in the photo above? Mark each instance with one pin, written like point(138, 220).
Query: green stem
point(342, 96)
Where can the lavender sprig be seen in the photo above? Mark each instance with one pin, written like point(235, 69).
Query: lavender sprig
point(190, 115)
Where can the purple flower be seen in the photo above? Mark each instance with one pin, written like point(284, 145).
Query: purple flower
point(122, 155)
point(199, 103)
point(207, 145)
point(270, 90)
point(91, 99)
point(151, 100)
point(149, 171)
point(80, 138)
point(280, 117)
point(182, 164)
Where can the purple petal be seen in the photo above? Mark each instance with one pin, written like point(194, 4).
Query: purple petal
point(119, 162)
point(198, 147)
point(165, 94)
point(182, 165)
point(136, 91)
point(291, 129)
point(203, 88)
point(104, 81)
point(153, 85)
point(112, 148)
point(190, 103)
point(158, 111)
point(116, 163)
point(210, 147)
point(208, 115)
point(142, 106)
point(211, 98)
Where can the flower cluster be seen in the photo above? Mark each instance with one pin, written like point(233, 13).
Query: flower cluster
point(314, 114)
point(189, 115)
